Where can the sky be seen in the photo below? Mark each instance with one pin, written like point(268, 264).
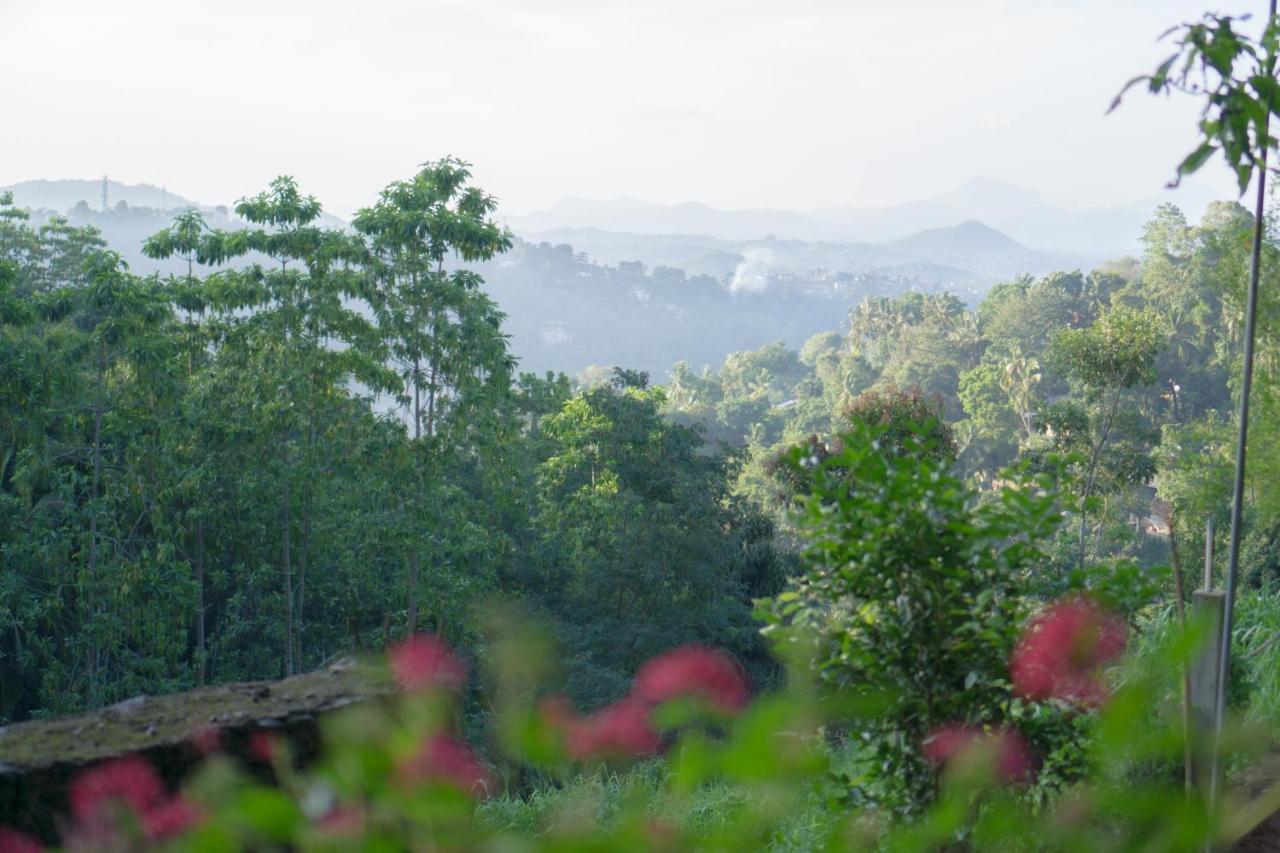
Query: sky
point(793, 104)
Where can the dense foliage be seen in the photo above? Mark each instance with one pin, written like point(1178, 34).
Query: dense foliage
point(314, 442)
point(950, 520)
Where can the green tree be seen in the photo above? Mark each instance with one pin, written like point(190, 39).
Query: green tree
point(642, 547)
point(910, 591)
point(443, 333)
point(1105, 363)
point(300, 330)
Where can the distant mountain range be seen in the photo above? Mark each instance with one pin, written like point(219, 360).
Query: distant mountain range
point(61, 196)
point(966, 257)
point(708, 282)
point(1019, 213)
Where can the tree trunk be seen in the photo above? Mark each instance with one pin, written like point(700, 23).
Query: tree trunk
point(414, 568)
point(415, 557)
point(94, 651)
point(1093, 468)
point(303, 553)
point(200, 641)
point(286, 557)
point(287, 492)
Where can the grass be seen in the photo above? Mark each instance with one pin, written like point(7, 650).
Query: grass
point(603, 797)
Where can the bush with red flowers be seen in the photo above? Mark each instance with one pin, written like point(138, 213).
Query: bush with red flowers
point(914, 590)
point(1062, 653)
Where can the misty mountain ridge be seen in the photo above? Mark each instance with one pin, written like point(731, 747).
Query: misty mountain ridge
point(1020, 213)
point(63, 195)
point(967, 257)
point(600, 295)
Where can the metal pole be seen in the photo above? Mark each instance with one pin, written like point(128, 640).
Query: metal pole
point(1237, 499)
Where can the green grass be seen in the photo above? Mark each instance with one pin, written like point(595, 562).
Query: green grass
point(603, 797)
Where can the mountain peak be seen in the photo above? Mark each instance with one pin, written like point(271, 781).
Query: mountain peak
point(968, 236)
point(984, 196)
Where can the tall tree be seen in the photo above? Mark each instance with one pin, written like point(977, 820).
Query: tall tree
point(443, 333)
point(1105, 362)
point(301, 329)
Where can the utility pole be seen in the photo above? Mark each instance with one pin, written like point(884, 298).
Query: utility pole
point(104, 193)
point(1242, 435)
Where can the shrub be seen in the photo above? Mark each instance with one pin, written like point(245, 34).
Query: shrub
point(913, 589)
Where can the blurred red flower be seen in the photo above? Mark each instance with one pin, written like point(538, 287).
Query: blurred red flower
point(444, 759)
point(262, 746)
point(695, 671)
point(170, 818)
point(1064, 649)
point(12, 841)
point(1014, 760)
point(425, 662)
point(620, 730)
point(97, 791)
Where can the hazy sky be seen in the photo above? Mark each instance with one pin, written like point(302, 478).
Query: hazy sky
point(791, 103)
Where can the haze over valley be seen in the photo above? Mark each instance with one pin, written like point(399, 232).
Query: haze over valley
point(596, 283)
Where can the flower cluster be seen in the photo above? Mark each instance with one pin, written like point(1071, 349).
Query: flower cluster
point(625, 729)
point(694, 671)
point(1060, 656)
point(425, 662)
point(1011, 755)
point(445, 760)
point(109, 797)
point(1062, 653)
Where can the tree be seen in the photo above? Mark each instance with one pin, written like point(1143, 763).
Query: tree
point(443, 333)
point(641, 547)
point(301, 332)
point(185, 239)
point(1105, 362)
point(910, 591)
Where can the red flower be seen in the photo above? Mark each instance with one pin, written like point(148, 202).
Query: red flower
point(98, 793)
point(262, 746)
point(1014, 760)
point(1061, 653)
point(946, 742)
point(425, 662)
point(12, 841)
point(130, 781)
point(443, 759)
point(695, 671)
point(170, 818)
point(620, 730)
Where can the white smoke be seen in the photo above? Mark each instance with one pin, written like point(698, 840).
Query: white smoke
point(751, 275)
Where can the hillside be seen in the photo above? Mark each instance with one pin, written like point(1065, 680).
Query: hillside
point(577, 297)
point(62, 195)
point(1020, 213)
